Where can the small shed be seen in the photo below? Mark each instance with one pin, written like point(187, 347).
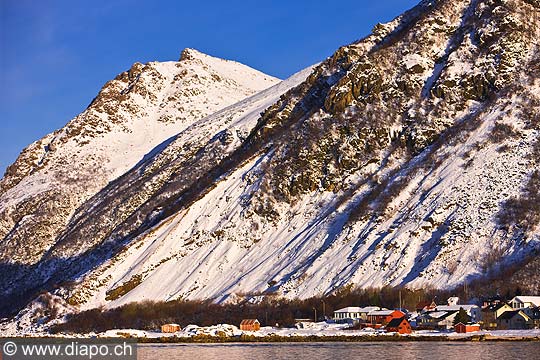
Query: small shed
point(399, 325)
point(466, 328)
point(250, 325)
point(170, 328)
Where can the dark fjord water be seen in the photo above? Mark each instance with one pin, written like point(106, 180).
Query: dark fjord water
point(332, 351)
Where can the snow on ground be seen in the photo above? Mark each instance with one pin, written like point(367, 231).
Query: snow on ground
point(33, 320)
point(320, 329)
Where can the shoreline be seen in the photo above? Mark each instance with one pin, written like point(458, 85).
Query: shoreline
point(251, 339)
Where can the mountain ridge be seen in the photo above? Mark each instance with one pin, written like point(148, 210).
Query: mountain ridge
point(130, 116)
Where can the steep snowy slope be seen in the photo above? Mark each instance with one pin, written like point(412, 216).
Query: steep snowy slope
point(407, 158)
point(394, 163)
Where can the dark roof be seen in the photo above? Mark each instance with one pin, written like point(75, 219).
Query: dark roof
point(443, 316)
point(507, 315)
point(494, 307)
point(423, 304)
point(394, 323)
point(535, 313)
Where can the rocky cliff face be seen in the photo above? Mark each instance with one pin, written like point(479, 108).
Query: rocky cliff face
point(407, 158)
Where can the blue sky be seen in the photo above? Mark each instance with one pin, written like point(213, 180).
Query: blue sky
point(55, 55)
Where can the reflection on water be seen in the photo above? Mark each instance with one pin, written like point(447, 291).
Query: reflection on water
point(332, 351)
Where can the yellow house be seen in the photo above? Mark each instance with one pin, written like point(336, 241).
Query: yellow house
point(491, 313)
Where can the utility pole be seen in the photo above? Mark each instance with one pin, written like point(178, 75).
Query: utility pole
point(465, 290)
point(323, 310)
point(315, 310)
point(400, 306)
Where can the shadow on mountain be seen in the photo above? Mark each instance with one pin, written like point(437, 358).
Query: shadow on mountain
point(96, 227)
point(30, 281)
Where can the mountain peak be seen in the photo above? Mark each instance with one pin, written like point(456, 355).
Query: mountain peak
point(191, 54)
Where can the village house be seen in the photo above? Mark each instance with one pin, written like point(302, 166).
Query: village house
point(170, 328)
point(474, 311)
point(383, 317)
point(440, 320)
point(353, 314)
point(425, 306)
point(399, 325)
point(347, 313)
point(466, 328)
point(525, 303)
point(514, 320)
point(491, 312)
point(442, 316)
point(250, 325)
point(491, 301)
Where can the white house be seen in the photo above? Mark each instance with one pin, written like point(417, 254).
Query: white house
point(353, 313)
point(525, 303)
point(474, 311)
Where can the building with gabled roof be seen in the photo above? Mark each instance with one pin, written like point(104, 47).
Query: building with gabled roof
point(473, 311)
point(250, 325)
point(383, 317)
point(466, 328)
point(490, 313)
point(425, 306)
point(170, 328)
point(514, 319)
point(436, 319)
point(353, 313)
point(525, 303)
point(400, 325)
point(519, 302)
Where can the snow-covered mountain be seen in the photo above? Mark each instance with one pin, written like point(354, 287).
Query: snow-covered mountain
point(133, 115)
point(407, 158)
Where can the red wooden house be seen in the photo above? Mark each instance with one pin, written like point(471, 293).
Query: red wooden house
point(466, 328)
point(400, 325)
point(383, 316)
